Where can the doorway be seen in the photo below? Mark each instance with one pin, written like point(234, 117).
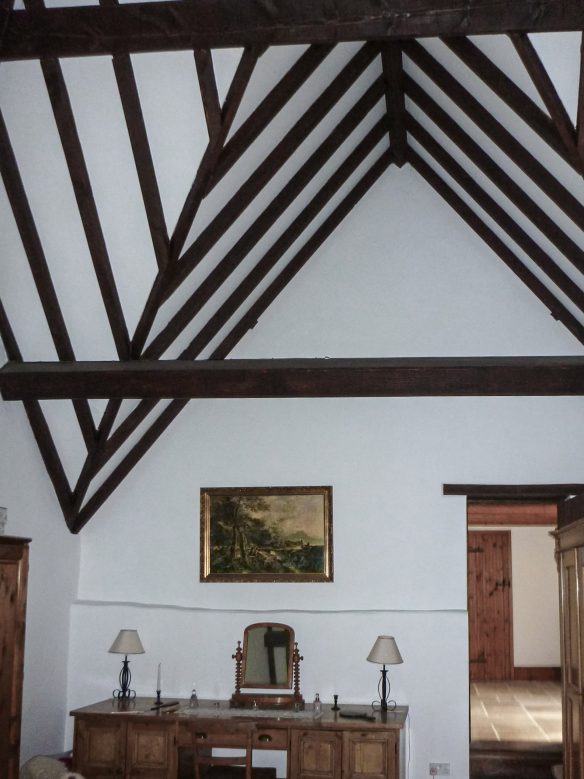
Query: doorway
point(515, 697)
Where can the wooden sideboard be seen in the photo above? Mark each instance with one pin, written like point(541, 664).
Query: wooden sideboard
point(132, 740)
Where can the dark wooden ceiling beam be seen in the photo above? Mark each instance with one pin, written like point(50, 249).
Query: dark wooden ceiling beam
point(516, 152)
point(269, 108)
point(204, 173)
point(174, 408)
point(391, 59)
point(498, 214)
point(286, 274)
point(580, 106)
point(208, 90)
point(266, 220)
point(503, 181)
point(80, 180)
point(304, 254)
point(195, 196)
point(514, 492)
point(174, 25)
point(39, 427)
point(138, 135)
point(41, 274)
point(546, 89)
point(296, 378)
point(271, 164)
point(514, 97)
point(557, 309)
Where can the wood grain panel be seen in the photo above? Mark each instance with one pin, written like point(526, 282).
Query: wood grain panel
point(369, 756)
point(489, 605)
point(516, 514)
point(13, 585)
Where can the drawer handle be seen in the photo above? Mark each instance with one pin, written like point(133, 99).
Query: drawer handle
point(265, 738)
point(200, 736)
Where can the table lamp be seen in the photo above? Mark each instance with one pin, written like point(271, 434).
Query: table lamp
point(127, 643)
point(385, 652)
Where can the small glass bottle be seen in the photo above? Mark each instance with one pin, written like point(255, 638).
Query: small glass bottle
point(317, 706)
point(194, 701)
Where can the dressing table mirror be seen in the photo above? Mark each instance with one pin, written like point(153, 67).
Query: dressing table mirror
point(269, 660)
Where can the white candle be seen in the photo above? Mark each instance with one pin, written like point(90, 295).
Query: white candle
point(159, 678)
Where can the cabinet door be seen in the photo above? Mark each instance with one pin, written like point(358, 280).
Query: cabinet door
point(151, 751)
point(315, 754)
point(370, 756)
point(99, 748)
point(13, 573)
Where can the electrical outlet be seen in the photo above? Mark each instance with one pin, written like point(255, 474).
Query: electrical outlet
point(439, 769)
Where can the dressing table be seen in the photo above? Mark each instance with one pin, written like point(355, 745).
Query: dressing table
point(131, 740)
point(137, 739)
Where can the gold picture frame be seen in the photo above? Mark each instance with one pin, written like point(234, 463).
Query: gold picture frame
point(266, 534)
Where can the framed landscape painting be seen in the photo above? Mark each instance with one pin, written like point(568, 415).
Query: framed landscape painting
point(271, 534)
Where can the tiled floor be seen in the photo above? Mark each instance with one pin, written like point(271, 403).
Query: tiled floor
point(516, 711)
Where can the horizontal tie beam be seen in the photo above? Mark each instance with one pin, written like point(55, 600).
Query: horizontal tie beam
point(295, 378)
point(178, 24)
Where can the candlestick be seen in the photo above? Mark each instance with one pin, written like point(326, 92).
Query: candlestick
point(159, 677)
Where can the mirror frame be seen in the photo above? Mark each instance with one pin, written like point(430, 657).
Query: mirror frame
point(259, 699)
point(287, 685)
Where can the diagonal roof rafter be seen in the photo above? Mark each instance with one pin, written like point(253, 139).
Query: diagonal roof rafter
point(241, 307)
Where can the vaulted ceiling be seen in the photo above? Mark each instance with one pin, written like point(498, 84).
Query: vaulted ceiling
point(409, 87)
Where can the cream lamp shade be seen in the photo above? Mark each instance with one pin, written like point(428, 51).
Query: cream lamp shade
point(385, 651)
point(127, 643)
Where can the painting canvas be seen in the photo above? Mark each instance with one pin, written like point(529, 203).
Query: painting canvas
point(275, 534)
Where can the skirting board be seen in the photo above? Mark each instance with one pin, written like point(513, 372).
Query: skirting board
point(537, 674)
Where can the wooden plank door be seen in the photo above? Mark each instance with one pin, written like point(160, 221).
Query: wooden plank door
point(489, 605)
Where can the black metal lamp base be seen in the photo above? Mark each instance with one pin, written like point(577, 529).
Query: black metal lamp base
point(124, 692)
point(385, 703)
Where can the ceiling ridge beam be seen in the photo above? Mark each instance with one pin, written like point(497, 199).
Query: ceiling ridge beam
point(546, 89)
point(267, 110)
point(268, 261)
point(270, 165)
point(195, 196)
point(132, 108)
point(266, 220)
point(40, 272)
point(514, 97)
point(490, 206)
point(40, 428)
point(297, 378)
point(174, 408)
point(517, 153)
point(393, 72)
point(496, 174)
point(557, 309)
point(178, 25)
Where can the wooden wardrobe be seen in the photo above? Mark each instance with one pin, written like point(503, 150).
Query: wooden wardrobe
point(13, 581)
point(570, 554)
